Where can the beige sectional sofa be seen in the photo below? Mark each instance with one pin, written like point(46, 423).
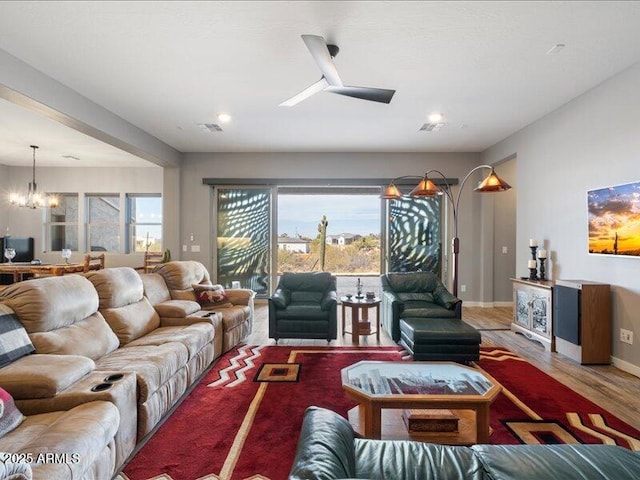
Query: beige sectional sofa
point(137, 339)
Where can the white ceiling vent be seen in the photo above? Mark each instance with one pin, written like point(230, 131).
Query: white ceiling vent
point(432, 126)
point(211, 127)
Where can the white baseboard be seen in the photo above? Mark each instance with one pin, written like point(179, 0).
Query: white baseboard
point(626, 366)
point(487, 304)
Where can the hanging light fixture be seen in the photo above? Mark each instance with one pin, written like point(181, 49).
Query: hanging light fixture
point(33, 199)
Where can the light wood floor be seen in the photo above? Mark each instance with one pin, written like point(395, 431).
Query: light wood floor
point(607, 386)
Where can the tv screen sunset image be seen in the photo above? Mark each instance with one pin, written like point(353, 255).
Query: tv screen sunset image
point(614, 220)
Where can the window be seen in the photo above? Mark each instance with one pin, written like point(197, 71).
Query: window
point(144, 223)
point(103, 222)
point(62, 223)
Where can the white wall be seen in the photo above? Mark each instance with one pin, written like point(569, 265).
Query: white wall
point(589, 143)
point(195, 198)
point(24, 222)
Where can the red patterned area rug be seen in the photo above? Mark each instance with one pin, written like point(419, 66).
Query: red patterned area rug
point(242, 421)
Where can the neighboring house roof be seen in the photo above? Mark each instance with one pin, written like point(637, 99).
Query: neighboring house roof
point(292, 240)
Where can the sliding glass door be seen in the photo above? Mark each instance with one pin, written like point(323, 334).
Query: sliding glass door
point(243, 231)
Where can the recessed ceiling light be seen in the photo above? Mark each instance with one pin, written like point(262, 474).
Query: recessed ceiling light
point(435, 117)
point(224, 117)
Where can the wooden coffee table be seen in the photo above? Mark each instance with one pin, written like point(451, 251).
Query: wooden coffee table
point(360, 324)
point(384, 389)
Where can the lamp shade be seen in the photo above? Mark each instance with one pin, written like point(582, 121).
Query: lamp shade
point(391, 191)
point(425, 188)
point(493, 183)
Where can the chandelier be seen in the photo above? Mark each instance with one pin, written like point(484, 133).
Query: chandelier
point(33, 199)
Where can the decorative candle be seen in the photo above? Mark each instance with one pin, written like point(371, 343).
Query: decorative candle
point(542, 253)
point(532, 264)
point(533, 242)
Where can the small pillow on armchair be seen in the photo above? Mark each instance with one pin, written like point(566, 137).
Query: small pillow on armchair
point(209, 296)
point(443, 297)
point(10, 416)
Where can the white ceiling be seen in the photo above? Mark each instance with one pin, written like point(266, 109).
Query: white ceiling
point(167, 66)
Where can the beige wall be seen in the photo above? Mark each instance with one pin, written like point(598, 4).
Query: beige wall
point(29, 223)
point(195, 198)
point(504, 226)
point(589, 143)
point(4, 191)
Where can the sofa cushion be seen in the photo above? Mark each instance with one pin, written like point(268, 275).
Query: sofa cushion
point(425, 309)
point(117, 287)
point(416, 461)
point(413, 281)
point(43, 376)
point(90, 337)
point(14, 341)
point(132, 321)
point(155, 288)
point(177, 308)
point(307, 281)
point(416, 296)
point(592, 462)
point(182, 275)
point(82, 432)
point(303, 312)
point(306, 297)
point(153, 365)
point(10, 416)
point(194, 337)
point(49, 303)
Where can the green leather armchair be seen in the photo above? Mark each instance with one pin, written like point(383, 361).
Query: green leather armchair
point(304, 305)
point(415, 294)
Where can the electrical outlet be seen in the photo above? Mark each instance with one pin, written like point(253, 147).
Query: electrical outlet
point(626, 336)
point(505, 250)
point(184, 248)
point(463, 288)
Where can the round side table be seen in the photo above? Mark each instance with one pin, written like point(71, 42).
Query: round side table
point(360, 324)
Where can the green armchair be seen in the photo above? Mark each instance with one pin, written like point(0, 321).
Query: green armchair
point(415, 295)
point(304, 305)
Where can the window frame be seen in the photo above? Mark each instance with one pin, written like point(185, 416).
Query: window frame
point(88, 223)
point(131, 223)
point(49, 224)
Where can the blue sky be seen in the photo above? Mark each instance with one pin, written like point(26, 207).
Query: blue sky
point(345, 213)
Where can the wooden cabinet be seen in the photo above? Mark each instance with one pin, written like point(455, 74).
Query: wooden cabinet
point(533, 310)
point(582, 312)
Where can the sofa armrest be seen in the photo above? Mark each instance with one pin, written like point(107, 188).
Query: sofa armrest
point(329, 300)
point(445, 299)
point(177, 308)
point(325, 447)
point(14, 471)
point(392, 308)
point(43, 376)
point(240, 296)
point(280, 298)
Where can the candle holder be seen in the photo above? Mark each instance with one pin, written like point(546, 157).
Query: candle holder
point(533, 274)
point(542, 270)
point(533, 251)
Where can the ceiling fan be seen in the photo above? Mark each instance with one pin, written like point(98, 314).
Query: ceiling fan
point(324, 54)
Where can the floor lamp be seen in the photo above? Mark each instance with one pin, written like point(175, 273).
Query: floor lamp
point(426, 188)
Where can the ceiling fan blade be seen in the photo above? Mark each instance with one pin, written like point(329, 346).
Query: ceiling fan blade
point(320, 53)
point(306, 93)
point(381, 95)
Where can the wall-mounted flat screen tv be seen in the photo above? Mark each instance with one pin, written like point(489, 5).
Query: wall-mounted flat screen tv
point(614, 220)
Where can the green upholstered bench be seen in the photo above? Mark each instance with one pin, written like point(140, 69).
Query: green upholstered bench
point(440, 339)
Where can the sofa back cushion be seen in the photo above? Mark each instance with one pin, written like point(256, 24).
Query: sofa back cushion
point(155, 289)
point(181, 275)
point(416, 297)
point(14, 341)
point(122, 303)
point(413, 282)
point(307, 281)
point(60, 316)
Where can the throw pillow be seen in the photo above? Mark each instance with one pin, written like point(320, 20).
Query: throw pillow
point(14, 341)
point(210, 295)
point(10, 416)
